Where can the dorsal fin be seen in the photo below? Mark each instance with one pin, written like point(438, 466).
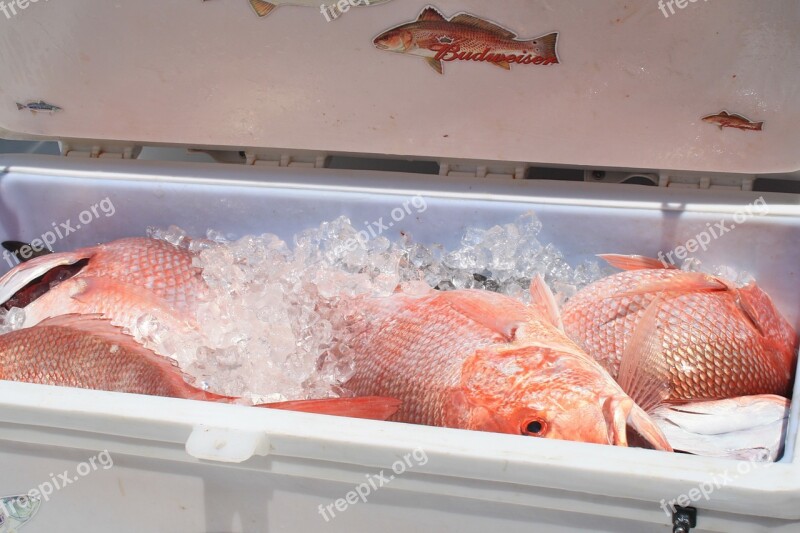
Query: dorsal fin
point(633, 262)
point(543, 301)
point(684, 282)
point(740, 117)
point(431, 14)
point(475, 22)
point(501, 314)
point(723, 113)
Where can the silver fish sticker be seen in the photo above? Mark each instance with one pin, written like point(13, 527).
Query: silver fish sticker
point(41, 105)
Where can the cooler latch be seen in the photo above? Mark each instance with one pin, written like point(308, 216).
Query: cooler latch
point(675, 180)
point(100, 151)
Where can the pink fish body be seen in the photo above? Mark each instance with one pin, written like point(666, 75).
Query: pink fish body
point(702, 336)
point(482, 361)
point(122, 280)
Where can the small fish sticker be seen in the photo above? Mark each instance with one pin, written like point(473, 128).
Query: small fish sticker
point(723, 119)
point(41, 105)
point(465, 37)
point(16, 511)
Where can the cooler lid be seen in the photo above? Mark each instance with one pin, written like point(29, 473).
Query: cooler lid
point(606, 83)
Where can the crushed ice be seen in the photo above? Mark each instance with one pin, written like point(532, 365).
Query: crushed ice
point(268, 323)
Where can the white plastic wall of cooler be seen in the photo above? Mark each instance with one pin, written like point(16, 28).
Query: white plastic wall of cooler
point(272, 470)
point(630, 89)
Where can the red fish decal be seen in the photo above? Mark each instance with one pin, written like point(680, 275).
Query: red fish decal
point(465, 37)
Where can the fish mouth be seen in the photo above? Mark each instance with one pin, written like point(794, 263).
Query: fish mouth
point(628, 425)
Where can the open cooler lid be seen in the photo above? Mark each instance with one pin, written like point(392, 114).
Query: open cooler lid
point(627, 85)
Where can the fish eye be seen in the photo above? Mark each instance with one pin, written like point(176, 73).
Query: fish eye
point(535, 427)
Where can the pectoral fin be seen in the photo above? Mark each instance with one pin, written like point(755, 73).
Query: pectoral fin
point(435, 64)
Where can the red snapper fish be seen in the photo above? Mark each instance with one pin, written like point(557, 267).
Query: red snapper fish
point(88, 352)
point(122, 280)
point(682, 335)
point(483, 361)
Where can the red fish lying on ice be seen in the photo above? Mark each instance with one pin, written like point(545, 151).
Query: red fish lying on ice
point(90, 353)
point(698, 336)
point(122, 280)
point(479, 360)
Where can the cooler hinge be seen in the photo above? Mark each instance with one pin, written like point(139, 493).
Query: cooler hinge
point(273, 158)
point(683, 180)
point(494, 171)
point(101, 151)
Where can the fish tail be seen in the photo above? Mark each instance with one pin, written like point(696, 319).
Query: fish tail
point(261, 7)
point(370, 407)
point(758, 126)
point(548, 43)
point(20, 106)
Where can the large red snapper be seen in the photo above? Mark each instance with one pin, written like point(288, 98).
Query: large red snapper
point(697, 336)
point(483, 361)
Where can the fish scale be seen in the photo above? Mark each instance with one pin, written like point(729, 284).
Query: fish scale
point(37, 355)
point(712, 346)
point(424, 327)
point(152, 264)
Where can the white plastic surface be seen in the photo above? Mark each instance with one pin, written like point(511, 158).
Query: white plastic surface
point(471, 481)
point(629, 92)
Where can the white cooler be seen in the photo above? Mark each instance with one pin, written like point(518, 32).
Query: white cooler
point(275, 100)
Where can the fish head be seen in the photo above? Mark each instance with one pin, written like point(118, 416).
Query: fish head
point(548, 393)
point(18, 510)
point(395, 40)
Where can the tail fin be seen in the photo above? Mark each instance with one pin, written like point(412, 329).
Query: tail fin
point(261, 7)
point(370, 407)
point(759, 126)
point(20, 106)
point(548, 46)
